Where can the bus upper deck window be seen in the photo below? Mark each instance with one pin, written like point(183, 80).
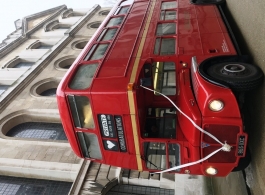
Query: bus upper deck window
point(169, 5)
point(83, 77)
point(168, 15)
point(99, 51)
point(81, 111)
point(126, 2)
point(122, 10)
point(115, 21)
point(166, 29)
point(107, 34)
point(165, 46)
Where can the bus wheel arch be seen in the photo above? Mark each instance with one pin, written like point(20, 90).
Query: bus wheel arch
point(243, 162)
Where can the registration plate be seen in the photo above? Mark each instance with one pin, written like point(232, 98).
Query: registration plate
point(241, 145)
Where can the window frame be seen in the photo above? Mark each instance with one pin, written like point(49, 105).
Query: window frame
point(159, 45)
point(85, 148)
point(162, 149)
point(93, 50)
point(80, 69)
point(164, 130)
point(115, 24)
point(162, 25)
point(75, 110)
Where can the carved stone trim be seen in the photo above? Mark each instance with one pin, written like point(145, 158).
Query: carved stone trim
point(51, 25)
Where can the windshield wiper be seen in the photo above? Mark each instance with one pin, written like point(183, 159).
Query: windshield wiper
point(146, 160)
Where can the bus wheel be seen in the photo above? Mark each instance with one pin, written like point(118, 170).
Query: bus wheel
point(207, 2)
point(239, 76)
point(243, 162)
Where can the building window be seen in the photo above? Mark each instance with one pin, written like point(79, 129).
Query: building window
point(44, 47)
point(104, 13)
point(18, 185)
point(38, 130)
point(39, 45)
point(65, 62)
point(23, 65)
point(94, 24)
point(63, 27)
point(138, 190)
point(18, 63)
point(80, 45)
point(3, 88)
point(49, 92)
point(46, 87)
point(52, 25)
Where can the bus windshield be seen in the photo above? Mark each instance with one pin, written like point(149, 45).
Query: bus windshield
point(156, 157)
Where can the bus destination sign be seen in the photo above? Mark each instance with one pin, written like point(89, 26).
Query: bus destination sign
point(120, 131)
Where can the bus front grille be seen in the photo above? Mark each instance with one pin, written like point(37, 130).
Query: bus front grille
point(224, 133)
point(221, 156)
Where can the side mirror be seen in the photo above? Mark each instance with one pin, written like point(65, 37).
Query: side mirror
point(147, 82)
point(147, 70)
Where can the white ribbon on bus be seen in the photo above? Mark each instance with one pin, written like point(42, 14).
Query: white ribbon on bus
point(225, 147)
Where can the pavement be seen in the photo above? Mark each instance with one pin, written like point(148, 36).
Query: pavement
point(233, 184)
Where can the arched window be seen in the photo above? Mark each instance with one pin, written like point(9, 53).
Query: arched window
point(39, 45)
point(94, 24)
point(20, 185)
point(49, 92)
point(3, 88)
point(104, 12)
point(23, 65)
point(70, 13)
point(65, 62)
point(18, 63)
point(38, 130)
point(80, 44)
point(46, 87)
point(52, 25)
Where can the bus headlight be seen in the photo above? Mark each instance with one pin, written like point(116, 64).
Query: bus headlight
point(211, 171)
point(216, 105)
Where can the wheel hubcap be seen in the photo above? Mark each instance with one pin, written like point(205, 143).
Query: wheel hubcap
point(233, 69)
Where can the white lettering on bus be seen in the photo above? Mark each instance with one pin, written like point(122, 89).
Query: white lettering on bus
point(104, 125)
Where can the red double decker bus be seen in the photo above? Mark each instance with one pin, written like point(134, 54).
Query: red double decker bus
point(158, 88)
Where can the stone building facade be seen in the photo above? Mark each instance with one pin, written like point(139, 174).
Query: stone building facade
point(33, 60)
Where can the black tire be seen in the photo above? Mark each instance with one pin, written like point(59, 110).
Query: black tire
point(207, 2)
point(243, 162)
point(239, 76)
